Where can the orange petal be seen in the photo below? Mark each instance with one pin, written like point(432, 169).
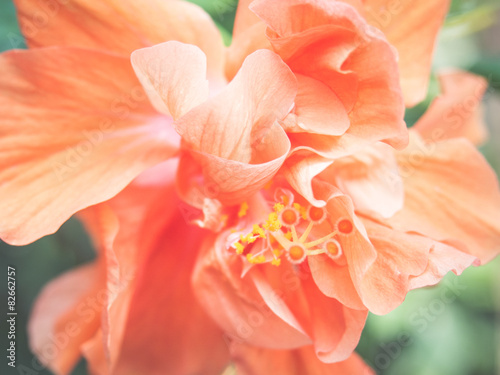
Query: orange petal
point(173, 75)
point(149, 263)
point(336, 328)
point(249, 35)
point(120, 26)
point(451, 194)
point(335, 281)
point(371, 178)
point(457, 112)
point(300, 169)
point(251, 360)
point(65, 315)
point(412, 27)
point(332, 280)
point(164, 315)
point(77, 128)
point(244, 18)
point(235, 133)
point(442, 259)
point(317, 110)
point(405, 260)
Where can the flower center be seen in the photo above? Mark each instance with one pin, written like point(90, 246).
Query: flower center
point(279, 234)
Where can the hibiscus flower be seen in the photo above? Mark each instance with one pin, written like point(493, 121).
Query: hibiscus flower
point(128, 119)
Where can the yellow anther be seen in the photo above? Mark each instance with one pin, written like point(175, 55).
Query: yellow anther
point(276, 262)
point(288, 236)
point(302, 210)
point(277, 252)
point(248, 238)
point(278, 207)
point(256, 259)
point(272, 223)
point(243, 209)
point(257, 230)
point(239, 248)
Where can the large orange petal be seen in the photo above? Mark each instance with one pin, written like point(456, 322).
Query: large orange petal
point(457, 112)
point(76, 129)
point(235, 133)
point(257, 361)
point(149, 264)
point(173, 75)
point(165, 317)
point(120, 26)
point(451, 194)
point(65, 315)
point(412, 27)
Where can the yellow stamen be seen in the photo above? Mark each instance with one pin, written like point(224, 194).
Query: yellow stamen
point(243, 209)
point(276, 262)
point(239, 248)
point(278, 207)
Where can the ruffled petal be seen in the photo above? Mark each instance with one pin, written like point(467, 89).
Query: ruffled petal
point(234, 136)
point(300, 169)
point(173, 75)
point(331, 43)
point(76, 129)
point(405, 260)
point(334, 339)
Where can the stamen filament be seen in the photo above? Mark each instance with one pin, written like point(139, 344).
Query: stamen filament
point(315, 252)
point(294, 234)
point(281, 239)
point(306, 232)
point(319, 241)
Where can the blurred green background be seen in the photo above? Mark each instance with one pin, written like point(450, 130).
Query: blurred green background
point(428, 334)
